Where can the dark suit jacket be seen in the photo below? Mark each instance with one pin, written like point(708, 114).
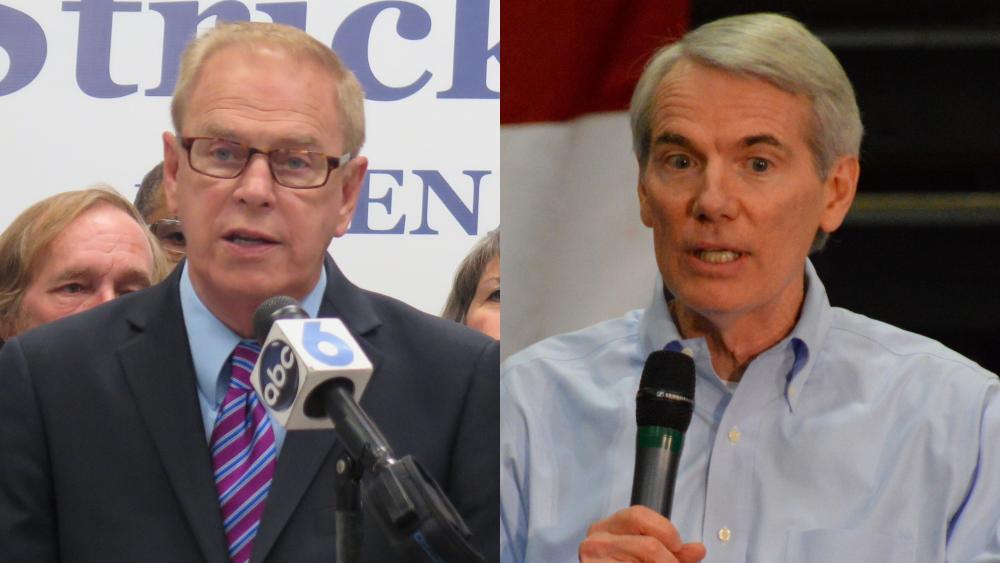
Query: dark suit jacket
point(103, 455)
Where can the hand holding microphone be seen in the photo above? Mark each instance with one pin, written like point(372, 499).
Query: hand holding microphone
point(643, 532)
point(637, 533)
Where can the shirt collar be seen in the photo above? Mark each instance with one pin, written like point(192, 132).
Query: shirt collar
point(658, 331)
point(211, 342)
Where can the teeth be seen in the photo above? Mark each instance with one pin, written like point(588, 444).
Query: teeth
point(245, 241)
point(718, 256)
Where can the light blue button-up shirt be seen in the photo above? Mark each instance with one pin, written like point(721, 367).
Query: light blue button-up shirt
point(211, 344)
point(849, 440)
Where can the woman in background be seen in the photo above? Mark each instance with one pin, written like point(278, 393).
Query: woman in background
point(475, 295)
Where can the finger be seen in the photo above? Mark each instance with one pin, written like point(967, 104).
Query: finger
point(603, 546)
point(640, 520)
point(691, 553)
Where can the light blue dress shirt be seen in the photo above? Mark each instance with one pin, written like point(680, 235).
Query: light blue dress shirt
point(211, 344)
point(848, 441)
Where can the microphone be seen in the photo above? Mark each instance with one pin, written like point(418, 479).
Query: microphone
point(663, 409)
point(310, 375)
point(302, 362)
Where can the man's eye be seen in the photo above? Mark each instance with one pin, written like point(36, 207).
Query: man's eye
point(71, 288)
point(130, 288)
point(679, 161)
point(296, 163)
point(222, 154)
point(759, 164)
point(176, 239)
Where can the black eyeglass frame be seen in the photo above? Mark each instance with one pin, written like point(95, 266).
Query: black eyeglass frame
point(332, 162)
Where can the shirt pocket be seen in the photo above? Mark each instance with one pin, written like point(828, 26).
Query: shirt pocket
point(840, 546)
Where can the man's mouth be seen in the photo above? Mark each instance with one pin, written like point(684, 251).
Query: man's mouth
point(721, 256)
point(248, 239)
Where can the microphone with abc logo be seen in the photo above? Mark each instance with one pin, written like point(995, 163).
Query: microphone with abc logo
point(310, 375)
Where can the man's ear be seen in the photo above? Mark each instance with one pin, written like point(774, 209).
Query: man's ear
point(350, 190)
point(171, 161)
point(838, 191)
point(645, 213)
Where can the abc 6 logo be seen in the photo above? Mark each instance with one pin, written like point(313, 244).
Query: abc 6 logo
point(279, 375)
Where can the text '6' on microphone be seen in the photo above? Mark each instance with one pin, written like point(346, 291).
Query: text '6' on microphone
point(663, 409)
point(298, 354)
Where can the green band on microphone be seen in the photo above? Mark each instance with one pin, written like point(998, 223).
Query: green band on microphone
point(659, 437)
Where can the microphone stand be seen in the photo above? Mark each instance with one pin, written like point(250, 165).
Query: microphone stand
point(410, 508)
point(347, 517)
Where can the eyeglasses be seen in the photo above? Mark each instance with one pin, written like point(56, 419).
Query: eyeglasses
point(291, 168)
point(171, 238)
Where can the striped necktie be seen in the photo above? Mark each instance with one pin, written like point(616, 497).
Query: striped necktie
point(243, 455)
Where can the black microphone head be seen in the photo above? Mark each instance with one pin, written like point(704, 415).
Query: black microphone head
point(666, 391)
point(272, 309)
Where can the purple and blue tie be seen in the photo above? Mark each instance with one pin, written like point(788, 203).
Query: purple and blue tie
point(243, 455)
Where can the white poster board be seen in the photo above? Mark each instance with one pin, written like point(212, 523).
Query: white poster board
point(85, 92)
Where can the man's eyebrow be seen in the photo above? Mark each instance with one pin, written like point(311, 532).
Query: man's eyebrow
point(71, 274)
point(131, 275)
point(291, 141)
point(135, 275)
point(214, 130)
point(669, 138)
point(762, 139)
point(306, 142)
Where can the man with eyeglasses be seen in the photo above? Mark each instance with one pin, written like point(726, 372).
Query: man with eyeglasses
point(152, 204)
point(118, 446)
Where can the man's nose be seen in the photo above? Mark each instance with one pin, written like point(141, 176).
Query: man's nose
point(715, 199)
point(256, 185)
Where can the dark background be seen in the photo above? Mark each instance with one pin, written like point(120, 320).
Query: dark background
point(927, 79)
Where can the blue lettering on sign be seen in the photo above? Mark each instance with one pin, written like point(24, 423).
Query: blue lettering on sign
point(432, 181)
point(352, 39)
point(24, 41)
point(466, 217)
point(360, 224)
point(93, 48)
point(472, 29)
point(180, 23)
point(313, 336)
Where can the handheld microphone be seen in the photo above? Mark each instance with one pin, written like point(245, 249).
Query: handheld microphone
point(663, 409)
point(311, 374)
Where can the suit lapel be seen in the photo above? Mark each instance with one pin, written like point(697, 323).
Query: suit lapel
point(301, 456)
point(160, 374)
point(303, 452)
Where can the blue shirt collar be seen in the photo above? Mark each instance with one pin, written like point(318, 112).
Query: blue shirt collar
point(657, 331)
point(211, 342)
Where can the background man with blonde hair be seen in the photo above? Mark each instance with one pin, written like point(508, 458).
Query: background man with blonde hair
point(141, 441)
point(817, 434)
point(70, 252)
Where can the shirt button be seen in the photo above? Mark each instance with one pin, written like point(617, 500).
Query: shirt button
point(791, 391)
point(734, 435)
point(724, 535)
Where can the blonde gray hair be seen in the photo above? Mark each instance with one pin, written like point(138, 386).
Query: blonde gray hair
point(26, 238)
point(774, 48)
point(253, 35)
